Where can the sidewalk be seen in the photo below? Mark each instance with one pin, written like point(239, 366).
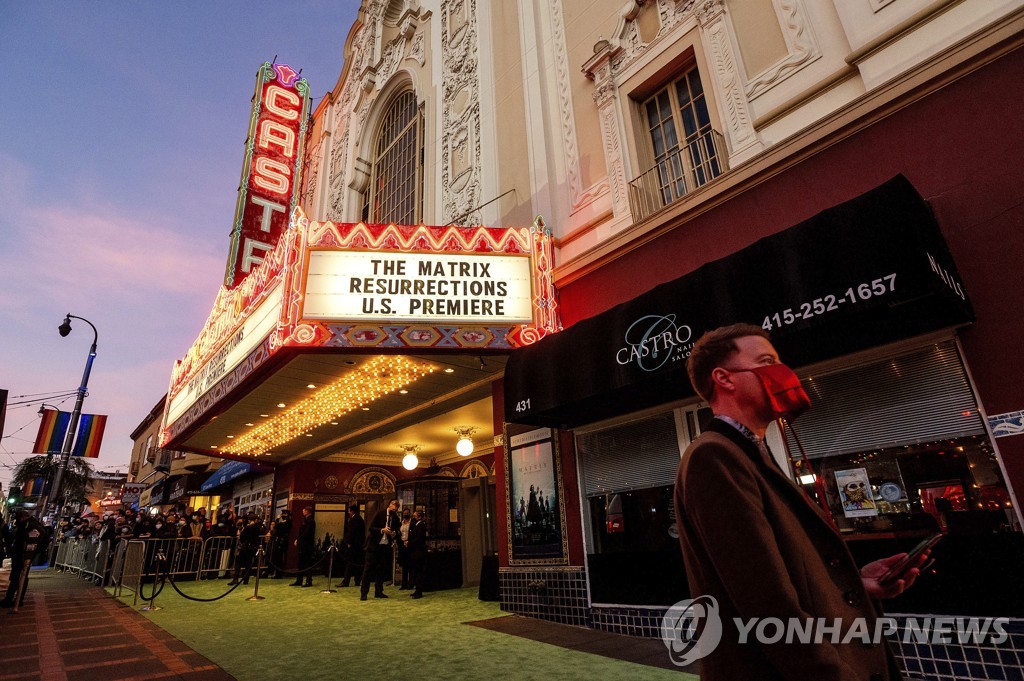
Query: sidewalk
point(70, 629)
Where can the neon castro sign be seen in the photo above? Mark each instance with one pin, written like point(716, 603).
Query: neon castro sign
point(270, 170)
point(654, 340)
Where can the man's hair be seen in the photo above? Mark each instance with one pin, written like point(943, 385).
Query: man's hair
point(711, 351)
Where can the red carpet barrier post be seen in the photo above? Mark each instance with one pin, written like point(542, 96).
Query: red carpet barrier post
point(158, 584)
point(259, 569)
point(330, 568)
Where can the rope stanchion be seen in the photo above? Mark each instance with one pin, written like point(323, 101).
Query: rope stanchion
point(170, 578)
point(158, 584)
point(259, 568)
point(330, 569)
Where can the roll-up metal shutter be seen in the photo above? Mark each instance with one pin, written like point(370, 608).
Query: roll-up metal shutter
point(919, 396)
point(635, 455)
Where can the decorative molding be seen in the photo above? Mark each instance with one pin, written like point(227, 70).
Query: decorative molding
point(474, 469)
point(372, 480)
point(565, 108)
point(732, 99)
point(389, 61)
point(617, 181)
point(416, 50)
point(460, 112)
point(803, 49)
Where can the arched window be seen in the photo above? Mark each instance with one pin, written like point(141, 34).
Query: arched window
point(396, 178)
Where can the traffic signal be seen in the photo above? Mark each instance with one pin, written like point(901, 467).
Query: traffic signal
point(14, 496)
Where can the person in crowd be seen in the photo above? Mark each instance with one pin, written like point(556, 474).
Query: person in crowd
point(352, 544)
point(184, 528)
point(145, 528)
point(752, 540)
point(416, 553)
point(168, 527)
point(401, 543)
point(30, 538)
point(282, 530)
point(248, 544)
point(306, 545)
point(6, 539)
point(377, 550)
point(197, 527)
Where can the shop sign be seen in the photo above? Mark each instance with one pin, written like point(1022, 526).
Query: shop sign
point(418, 287)
point(270, 171)
point(177, 489)
point(130, 492)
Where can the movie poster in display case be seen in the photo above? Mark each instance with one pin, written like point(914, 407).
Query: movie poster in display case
point(536, 513)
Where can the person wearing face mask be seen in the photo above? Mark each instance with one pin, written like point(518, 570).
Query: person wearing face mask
point(755, 542)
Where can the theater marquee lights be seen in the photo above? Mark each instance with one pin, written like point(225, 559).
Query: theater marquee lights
point(376, 378)
point(273, 160)
point(384, 290)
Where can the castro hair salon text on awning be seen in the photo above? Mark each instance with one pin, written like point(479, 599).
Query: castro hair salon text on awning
point(873, 270)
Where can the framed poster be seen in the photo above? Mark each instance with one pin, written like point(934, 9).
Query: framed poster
point(535, 514)
point(855, 493)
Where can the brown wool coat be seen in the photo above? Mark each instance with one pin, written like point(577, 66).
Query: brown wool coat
point(752, 539)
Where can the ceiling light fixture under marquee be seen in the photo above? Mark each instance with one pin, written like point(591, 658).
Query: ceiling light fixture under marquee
point(410, 461)
point(465, 444)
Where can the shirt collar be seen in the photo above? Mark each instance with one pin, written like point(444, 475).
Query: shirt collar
point(746, 432)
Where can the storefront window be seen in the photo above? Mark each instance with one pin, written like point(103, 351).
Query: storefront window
point(902, 452)
point(628, 473)
point(950, 485)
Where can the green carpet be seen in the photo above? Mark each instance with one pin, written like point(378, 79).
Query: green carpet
point(299, 633)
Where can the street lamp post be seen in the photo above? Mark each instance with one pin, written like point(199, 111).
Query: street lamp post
point(69, 437)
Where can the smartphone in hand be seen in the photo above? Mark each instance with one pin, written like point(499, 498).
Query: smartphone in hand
point(897, 569)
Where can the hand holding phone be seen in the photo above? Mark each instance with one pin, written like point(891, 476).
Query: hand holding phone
point(900, 567)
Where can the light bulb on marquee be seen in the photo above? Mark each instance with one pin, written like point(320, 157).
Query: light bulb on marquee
point(465, 444)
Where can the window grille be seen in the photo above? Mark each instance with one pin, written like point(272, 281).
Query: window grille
point(396, 178)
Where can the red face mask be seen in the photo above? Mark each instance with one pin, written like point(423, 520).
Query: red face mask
point(786, 395)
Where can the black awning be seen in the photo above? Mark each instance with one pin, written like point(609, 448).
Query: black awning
point(189, 485)
point(870, 271)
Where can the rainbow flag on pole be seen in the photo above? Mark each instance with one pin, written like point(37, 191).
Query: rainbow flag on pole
point(90, 435)
point(52, 429)
point(33, 488)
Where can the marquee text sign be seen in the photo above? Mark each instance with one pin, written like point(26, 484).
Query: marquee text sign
point(418, 287)
point(270, 171)
point(235, 348)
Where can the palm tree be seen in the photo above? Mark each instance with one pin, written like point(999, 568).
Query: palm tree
point(76, 476)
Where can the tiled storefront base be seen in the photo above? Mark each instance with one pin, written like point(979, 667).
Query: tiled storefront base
point(632, 621)
point(922, 661)
point(560, 595)
point(969, 662)
point(555, 594)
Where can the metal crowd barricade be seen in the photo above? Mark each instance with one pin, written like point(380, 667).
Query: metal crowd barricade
point(61, 559)
point(218, 557)
point(83, 557)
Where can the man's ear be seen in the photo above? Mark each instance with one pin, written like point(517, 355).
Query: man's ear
point(722, 379)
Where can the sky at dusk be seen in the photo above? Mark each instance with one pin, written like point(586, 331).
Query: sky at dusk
point(122, 127)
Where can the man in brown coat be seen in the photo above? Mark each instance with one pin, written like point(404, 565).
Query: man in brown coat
point(752, 539)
